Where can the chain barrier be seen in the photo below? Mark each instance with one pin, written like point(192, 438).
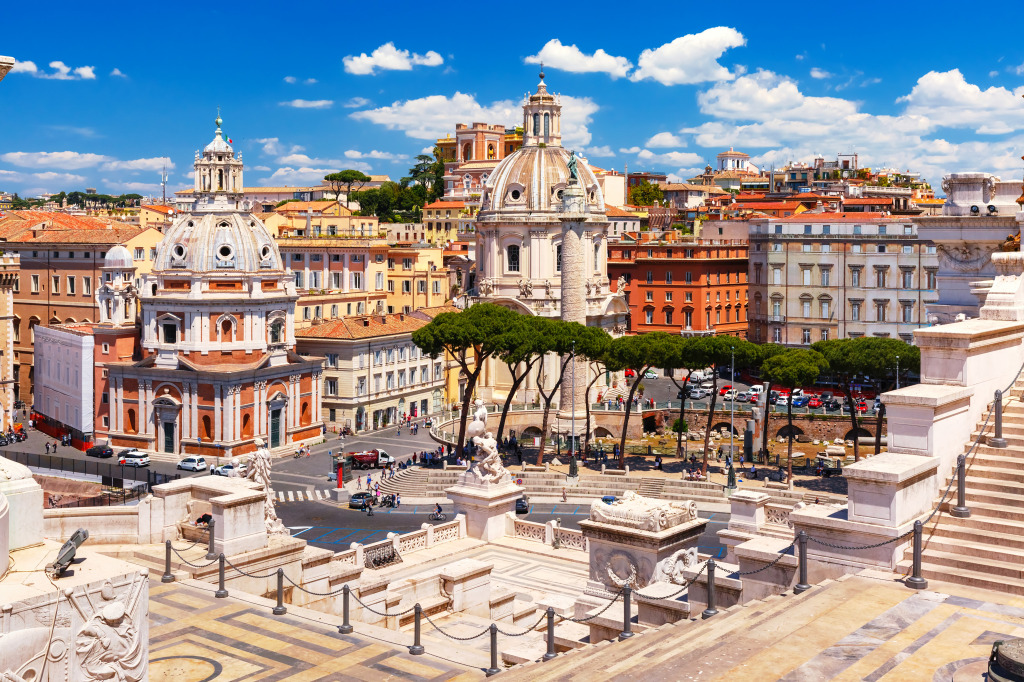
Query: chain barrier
point(185, 549)
point(315, 594)
point(525, 632)
point(189, 562)
point(588, 618)
point(375, 611)
point(782, 553)
point(877, 544)
point(451, 636)
point(250, 575)
point(682, 589)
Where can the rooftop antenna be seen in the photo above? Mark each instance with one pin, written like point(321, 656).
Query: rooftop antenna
point(163, 184)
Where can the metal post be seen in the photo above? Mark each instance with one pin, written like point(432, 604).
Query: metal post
point(997, 441)
point(897, 372)
point(280, 609)
point(915, 581)
point(710, 610)
point(416, 649)
point(802, 586)
point(221, 592)
point(627, 615)
point(494, 669)
point(961, 510)
point(210, 554)
point(167, 577)
point(345, 627)
point(551, 635)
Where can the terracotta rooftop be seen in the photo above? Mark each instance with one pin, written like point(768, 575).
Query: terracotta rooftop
point(166, 210)
point(17, 226)
point(303, 206)
point(616, 212)
point(363, 327)
point(446, 204)
point(767, 205)
point(684, 186)
point(434, 311)
point(852, 217)
point(868, 201)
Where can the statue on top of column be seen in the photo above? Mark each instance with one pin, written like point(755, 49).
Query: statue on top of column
point(573, 172)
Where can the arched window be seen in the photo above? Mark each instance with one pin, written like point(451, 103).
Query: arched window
point(304, 415)
point(512, 261)
point(467, 152)
point(246, 426)
point(276, 332)
point(207, 428)
point(536, 124)
point(225, 330)
point(558, 258)
point(547, 124)
point(490, 151)
point(131, 427)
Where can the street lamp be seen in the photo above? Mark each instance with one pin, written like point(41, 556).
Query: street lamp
point(897, 372)
point(732, 408)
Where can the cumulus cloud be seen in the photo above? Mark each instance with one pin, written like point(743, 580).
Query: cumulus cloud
point(947, 99)
point(119, 73)
point(387, 57)
point(431, 117)
point(136, 187)
point(61, 71)
point(64, 160)
point(629, 150)
point(820, 73)
point(302, 175)
point(764, 95)
point(571, 58)
point(387, 156)
point(689, 59)
point(311, 81)
point(665, 139)
point(308, 103)
point(260, 168)
point(152, 164)
point(304, 160)
point(602, 151)
point(670, 158)
point(290, 79)
point(356, 103)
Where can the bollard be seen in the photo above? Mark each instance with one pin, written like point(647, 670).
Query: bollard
point(710, 610)
point(494, 669)
point(221, 592)
point(997, 441)
point(627, 615)
point(280, 609)
point(416, 649)
point(551, 635)
point(915, 581)
point(167, 577)
point(210, 554)
point(961, 511)
point(802, 585)
point(345, 628)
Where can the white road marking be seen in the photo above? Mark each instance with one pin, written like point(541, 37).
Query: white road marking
point(290, 497)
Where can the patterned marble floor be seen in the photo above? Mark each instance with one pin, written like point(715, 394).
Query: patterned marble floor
point(195, 637)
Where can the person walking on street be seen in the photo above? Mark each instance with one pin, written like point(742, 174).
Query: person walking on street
point(398, 500)
point(563, 494)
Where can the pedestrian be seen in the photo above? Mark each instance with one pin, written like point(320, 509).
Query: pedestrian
point(47, 448)
point(563, 494)
point(359, 482)
point(368, 479)
point(398, 500)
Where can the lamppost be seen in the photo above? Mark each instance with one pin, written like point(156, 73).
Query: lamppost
point(897, 372)
point(572, 417)
point(732, 408)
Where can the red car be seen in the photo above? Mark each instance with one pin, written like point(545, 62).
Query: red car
point(814, 401)
point(630, 373)
point(725, 389)
point(862, 406)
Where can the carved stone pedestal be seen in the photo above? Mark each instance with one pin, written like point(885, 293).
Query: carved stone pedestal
point(484, 505)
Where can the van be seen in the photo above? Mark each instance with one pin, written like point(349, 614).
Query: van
point(757, 389)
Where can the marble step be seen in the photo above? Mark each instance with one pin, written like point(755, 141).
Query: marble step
point(1011, 566)
point(972, 551)
point(977, 522)
point(981, 496)
point(983, 472)
point(991, 485)
point(954, 530)
point(990, 510)
point(962, 576)
point(1014, 441)
point(1009, 457)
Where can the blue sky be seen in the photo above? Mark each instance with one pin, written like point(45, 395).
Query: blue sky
point(104, 97)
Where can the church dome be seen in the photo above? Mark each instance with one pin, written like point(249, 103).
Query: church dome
point(228, 243)
point(119, 257)
point(218, 145)
point(531, 179)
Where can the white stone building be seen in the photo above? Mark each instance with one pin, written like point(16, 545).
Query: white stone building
point(64, 376)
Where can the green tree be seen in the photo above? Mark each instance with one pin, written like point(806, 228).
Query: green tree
point(762, 353)
point(792, 369)
point(429, 174)
point(880, 355)
point(470, 337)
point(639, 353)
point(346, 179)
point(721, 352)
point(688, 354)
point(597, 365)
point(645, 194)
point(522, 347)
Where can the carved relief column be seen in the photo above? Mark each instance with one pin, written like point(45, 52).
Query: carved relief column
point(572, 398)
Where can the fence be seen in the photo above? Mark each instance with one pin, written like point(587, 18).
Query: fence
point(108, 474)
point(109, 497)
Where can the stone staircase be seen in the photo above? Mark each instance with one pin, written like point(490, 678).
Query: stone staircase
point(651, 487)
point(684, 647)
point(987, 549)
point(413, 482)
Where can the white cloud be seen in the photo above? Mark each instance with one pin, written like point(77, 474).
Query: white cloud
point(356, 103)
point(65, 160)
point(260, 168)
point(308, 103)
point(800, 57)
point(61, 71)
point(304, 160)
point(820, 73)
point(1019, 69)
point(665, 139)
point(304, 174)
point(603, 151)
point(571, 58)
point(764, 95)
point(673, 158)
point(311, 81)
point(290, 79)
point(947, 99)
point(387, 156)
point(152, 164)
point(629, 150)
point(429, 150)
point(51, 176)
point(690, 59)
point(118, 73)
point(136, 187)
point(870, 81)
point(993, 74)
point(387, 57)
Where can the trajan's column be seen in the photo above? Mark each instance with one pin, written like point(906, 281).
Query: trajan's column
point(573, 215)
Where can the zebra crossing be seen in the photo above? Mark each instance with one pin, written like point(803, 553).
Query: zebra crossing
point(302, 495)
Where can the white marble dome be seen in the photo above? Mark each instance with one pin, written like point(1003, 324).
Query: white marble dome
point(119, 257)
point(530, 180)
point(228, 243)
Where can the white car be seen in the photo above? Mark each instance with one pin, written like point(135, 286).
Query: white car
point(729, 395)
point(650, 374)
point(229, 470)
point(193, 464)
point(133, 457)
point(707, 384)
point(782, 401)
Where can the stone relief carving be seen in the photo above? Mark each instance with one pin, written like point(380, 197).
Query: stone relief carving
point(946, 185)
point(259, 472)
point(634, 511)
point(548, 289)
point(525, 288)
point(621, 285)
point(486, 288)
point(670, 569)
point(109, 647)
point(990, 187)
point(963, 257)
point(589, 287)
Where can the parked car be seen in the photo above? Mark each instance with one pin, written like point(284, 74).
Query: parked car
point(650, 374)
point(782, 401)
point(699, 393)
point(193, 464)
point(229, 470)
point(814, 401)
point(800, 401)
point(744, 397)
point(862, 406)
point(522, 505)
point(371, 459)
point(826, 395)
point(725, 389)
point(133, 457)
point(757, 389)
point(608, 499)
point(729, 395)
point(832, 405)
point(630, 373)
point(100, 451)
point(360, 500)
point(707, 383)
point(798, 391)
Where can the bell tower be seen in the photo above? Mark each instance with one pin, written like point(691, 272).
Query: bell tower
point(218, 176)
point(542, 118)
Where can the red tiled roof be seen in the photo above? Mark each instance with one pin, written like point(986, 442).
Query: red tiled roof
point(17, 226)
point(167, 210)
point(767, 205)
point(446, 204)
point(852, 217)
point(616, 212)
point(868, 201)
point(363, 327)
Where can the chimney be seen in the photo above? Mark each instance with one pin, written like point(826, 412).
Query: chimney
point(366, 322)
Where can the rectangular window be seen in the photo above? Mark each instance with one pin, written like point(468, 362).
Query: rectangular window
point(361, 386)
point(305, 313)
point(908, 278)
point(807, 229)
point(421, 286)
point(513, 258)
point(826, 275)
point(379, 277)
point(55, 284)
point(688, 278)
point(332, 359)
point(650, 277)
point(649, 316)
point(688, 318)
point(881, 230)
point(776, 247)
point(824, 335)
point(300, 280)
point(777, 276)
point(826, 229)
point(315, 258)
point(880, 278)
point(391, 286)
point(650, 295)
point(140, 254)
point(826, 248)
point(668, 277)
point(881, 248)
point(930, 279)
point(776, 335)
point(857, 248)
point(908, 230)
point(806, 336)
point(314, 279)
point(689, 297)
point(856, 229)
point(334, 311)
point(406, 287)
point(854, 277)
point(87, 286)
point(437, 286)
point(378, 357)
point(668, 317)
point(806, 307)
point(668, 295)
point(170, 333)
point(825, 310)
point(907, 248)
point(908, 312)
point(880, 311)
point(718, 317)
point(807, 248)
point(357, 281)
point(407, 263)
point(391, 263)
point(71, 285)
point(806, 274)
point(330, 387)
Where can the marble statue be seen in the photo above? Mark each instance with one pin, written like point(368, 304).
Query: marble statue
point(259, 472)
point(478, 425)
point(490, 468)
point(620, 286)
point(525, 288)
point(642, 513)
point(670, 569)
